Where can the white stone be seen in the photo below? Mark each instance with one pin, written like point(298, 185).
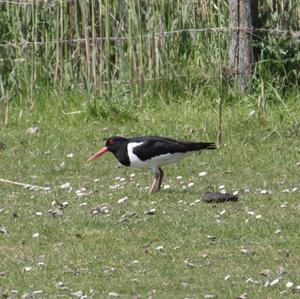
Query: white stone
point(66, 186)
point(123, 200)
point(160, 247)
point(289, 284)
point(202, 173)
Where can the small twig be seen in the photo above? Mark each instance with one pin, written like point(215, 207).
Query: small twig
point(27, 186)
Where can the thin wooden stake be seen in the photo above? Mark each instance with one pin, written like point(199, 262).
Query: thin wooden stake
point(219, 127)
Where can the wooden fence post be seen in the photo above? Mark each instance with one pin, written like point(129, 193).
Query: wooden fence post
point(240, 58)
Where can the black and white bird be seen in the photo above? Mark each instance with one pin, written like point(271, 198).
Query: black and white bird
point(150, 152)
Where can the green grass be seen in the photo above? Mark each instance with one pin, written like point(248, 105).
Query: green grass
point(99, 254)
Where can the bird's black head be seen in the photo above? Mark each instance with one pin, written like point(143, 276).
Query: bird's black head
point(113, 144)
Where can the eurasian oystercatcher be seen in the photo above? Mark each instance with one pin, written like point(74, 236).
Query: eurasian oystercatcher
point(150, 152)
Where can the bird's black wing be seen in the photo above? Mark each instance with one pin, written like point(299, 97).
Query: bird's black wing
point(155, 146)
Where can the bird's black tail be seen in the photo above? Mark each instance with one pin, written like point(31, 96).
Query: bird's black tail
point(197, 146)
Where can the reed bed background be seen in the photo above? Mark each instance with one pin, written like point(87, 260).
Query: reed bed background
point(135, 46)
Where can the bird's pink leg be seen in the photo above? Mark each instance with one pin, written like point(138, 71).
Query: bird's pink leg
point(157, 180)
point(160, 178)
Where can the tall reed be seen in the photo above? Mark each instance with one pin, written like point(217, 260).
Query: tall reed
point(112, 46)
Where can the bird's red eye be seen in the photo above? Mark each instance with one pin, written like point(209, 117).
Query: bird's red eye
point(110, 142)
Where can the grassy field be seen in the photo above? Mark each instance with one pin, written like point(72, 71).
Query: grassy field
point(84, 242)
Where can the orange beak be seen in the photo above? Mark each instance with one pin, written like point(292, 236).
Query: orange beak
point(98, 154)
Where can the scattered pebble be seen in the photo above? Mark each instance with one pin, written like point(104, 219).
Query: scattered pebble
point(33, 130)
point(123, 200)
point(184, 284)
point(243, 296)
point(209, 296)
point(281, 271)
point(204, 254)
point(71, 155)
point(227, 277)
point(289, 284)
point(27, 269)
point(41, 264)
point(265, 192)
point(132, 175)
point(150, 212)
point(56, 212)
point(60, 285)
point(284, 252)
point(35, 235)
point(78, 294)
point(83, 204)
point(66, 186)
point(235, 192)
point(266, 272)
point(278, 232)
point(191, 184)
point(267, 283)
point(274, 282)
point(127, 216)
point(113, 294)
point(3, 231)
point(38, 213)
point(38, 292)
point(284, 205)
point(258, 216)
point(203, 173)
point(100, 209)
point(189, 263)
point(249, 212)
point(82, 192)
point(211, 238)
point(285, 190)
point(251, 280)
point(296, 289)
point(246, 251)
point(221, 187)
point(166, 187)
point(159, 248)
point(179, 177)
point(96, 180)
point(116, 186)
